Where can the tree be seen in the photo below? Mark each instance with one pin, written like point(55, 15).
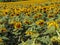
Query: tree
point(9, 0)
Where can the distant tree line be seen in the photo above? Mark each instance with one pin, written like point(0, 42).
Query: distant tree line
point(9, 0)
point(12, 0)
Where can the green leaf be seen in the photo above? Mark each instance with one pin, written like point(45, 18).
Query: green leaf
point(5, 38)
point(44, 39)
point(1, 43)
point(51, 30)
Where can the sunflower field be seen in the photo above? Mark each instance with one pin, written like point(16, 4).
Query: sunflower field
point(30, 23)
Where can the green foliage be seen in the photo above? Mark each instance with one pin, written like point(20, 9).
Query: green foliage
point(11, 0)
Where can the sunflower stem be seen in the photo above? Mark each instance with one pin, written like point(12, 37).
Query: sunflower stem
point(57, 33)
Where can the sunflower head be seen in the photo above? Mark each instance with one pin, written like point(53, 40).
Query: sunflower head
point(35, 16)
point(38, 15)
point(54, 39)
point(12, 15)
point(5, 12)
point(58, 21)
point(17, 25)
point(1, 40)
point(40, 22)
point(17, 14)
point(52, 23)
point(27, 22)
point(3, 30)
point(29, 33)
point(50, 15)
point(27, 14)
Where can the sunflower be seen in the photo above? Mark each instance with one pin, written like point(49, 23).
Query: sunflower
point(17, 25)
point(35, 16)
point(39, 7)
point(58, 21)
point(12, 15)
point(5, 12)
point(28, 10)
point(27, 21)
point(17, 14)
point(36, 9)
point(54, 39)
point(40, 22)
point(38, 15)
point(28, 14)
point(3, 30)
point(50, 15)
point(45, 9)
point(22, 9)
point(1, 40)
point(56, 10)
point(29, 33)
point(52, 23)
point(17, 11)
